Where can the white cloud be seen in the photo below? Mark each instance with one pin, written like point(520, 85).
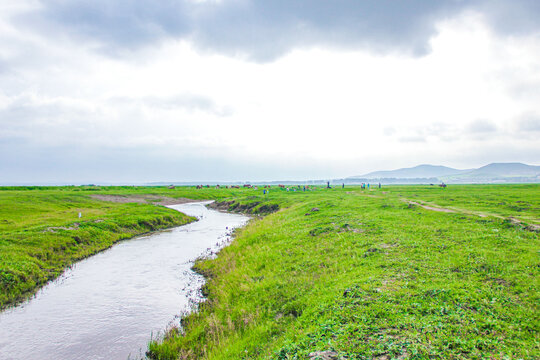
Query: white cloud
point(348, 112)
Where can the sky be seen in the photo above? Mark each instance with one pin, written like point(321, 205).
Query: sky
point(101, 91)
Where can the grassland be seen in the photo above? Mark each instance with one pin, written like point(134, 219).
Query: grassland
point(366, 274)
point(41, 233)
point(369, 275)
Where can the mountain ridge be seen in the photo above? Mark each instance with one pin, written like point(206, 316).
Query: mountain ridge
point(419, 171)
point(493, 172)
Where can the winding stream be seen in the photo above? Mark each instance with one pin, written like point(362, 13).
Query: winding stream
point(110, 305)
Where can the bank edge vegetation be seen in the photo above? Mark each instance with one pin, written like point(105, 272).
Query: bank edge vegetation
point(400, 272)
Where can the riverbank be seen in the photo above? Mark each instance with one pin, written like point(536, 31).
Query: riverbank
point(110, 305)
point(366, 274)
point(352, 273)
point(41, 233)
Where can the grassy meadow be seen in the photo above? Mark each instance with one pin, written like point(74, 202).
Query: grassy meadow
point(401, 272)
point(365, 274)
point(41, 233)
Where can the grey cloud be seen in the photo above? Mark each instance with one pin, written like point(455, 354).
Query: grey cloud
point(3, 65)
point(22, 117)
point(26, 120)
point(412, 139)
point(86, 164)
point(523, 88)
point(117, 24)
point(264, 30)
point(446, 132)
point(529, 123)
point(68, 121)
point(190, 102)
point(481, 126)
point(28, 107)
point(511, 17)
point(439, 131)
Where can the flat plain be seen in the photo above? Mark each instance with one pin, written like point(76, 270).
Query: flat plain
point(396, 272)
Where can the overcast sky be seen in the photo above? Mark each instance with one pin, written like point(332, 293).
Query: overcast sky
point(219, 90)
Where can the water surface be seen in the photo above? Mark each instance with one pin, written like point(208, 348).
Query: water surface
point(109, 305)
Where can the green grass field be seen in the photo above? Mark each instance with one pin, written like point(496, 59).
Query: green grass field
point(41, 233)
point(367, 274)
point(371, 276)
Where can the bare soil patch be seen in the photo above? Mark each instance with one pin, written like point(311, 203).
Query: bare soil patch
point(54, 229)
point(152, 199)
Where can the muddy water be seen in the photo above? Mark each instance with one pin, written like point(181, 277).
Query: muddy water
point(110, 305)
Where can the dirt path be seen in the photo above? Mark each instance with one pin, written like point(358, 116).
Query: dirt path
point(513, 220)
point(153, 199)
point(433, 208)
point(532, 227)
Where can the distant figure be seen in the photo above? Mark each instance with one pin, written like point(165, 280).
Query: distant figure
point(368, 185)
point(328, 185)
point(80, 215)
point(304, 188)
point(379, 185)
point(264, 192)
point(343, 186)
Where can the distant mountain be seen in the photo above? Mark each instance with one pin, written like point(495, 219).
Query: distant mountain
point(499, 172)
point(421, 174)
point(420, 171)
point(507, 170)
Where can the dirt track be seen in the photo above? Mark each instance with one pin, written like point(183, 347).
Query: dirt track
point(530, 227)
point(432, 208)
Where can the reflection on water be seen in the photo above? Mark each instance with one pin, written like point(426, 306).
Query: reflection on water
point(109, 305)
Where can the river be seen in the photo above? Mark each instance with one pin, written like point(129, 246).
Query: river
point(110, 305)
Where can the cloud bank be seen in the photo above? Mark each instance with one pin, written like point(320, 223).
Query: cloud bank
point(265, 30)
point(238, 89)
